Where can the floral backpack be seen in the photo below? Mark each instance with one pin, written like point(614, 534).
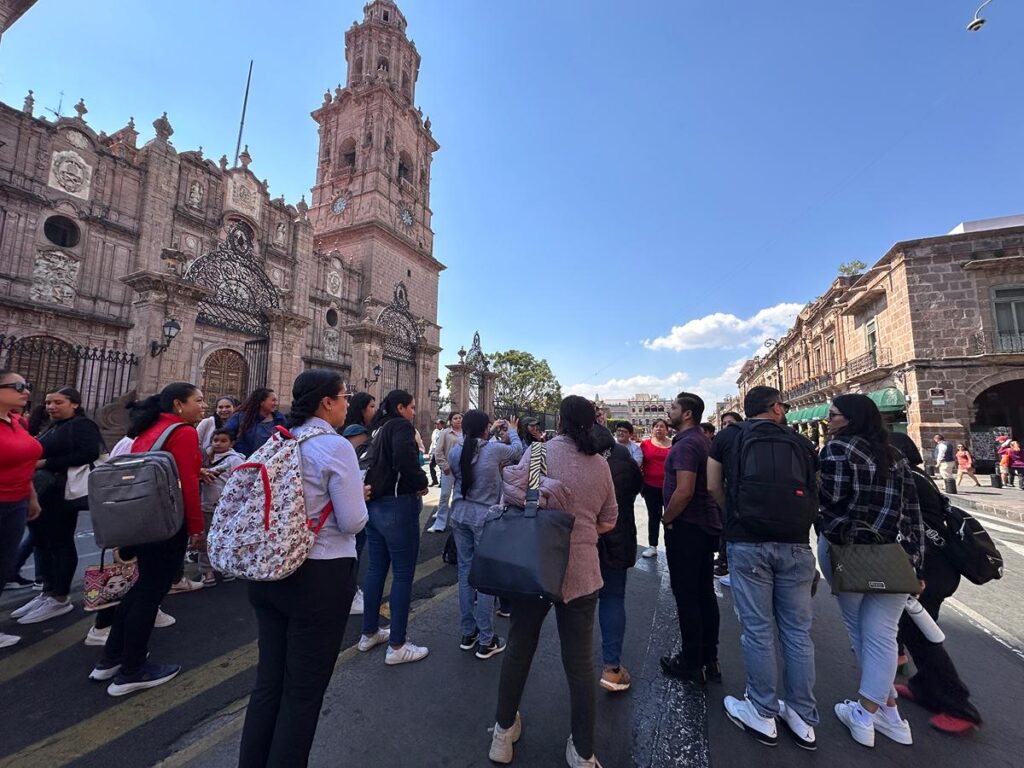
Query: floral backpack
point(260, 529)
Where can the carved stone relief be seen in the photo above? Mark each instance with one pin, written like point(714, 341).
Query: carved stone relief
point(77, 139)
point(331, 341)
point(54, 276)
point(334, 283)
point(70, 173)
point(195, 195)
point(242, 196)
point(281, 233)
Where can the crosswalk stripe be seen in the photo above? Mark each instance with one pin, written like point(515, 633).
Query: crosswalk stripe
point(92, 733)
point(24, 660)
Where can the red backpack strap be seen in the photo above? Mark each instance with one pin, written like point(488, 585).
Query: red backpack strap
point(284, 433)
point(323, 518)
point(266, 489)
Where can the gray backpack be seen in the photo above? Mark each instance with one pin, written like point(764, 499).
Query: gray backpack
point(136, 498)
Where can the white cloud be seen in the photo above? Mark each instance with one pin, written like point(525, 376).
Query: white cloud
point(726, 331)
point(619, 389)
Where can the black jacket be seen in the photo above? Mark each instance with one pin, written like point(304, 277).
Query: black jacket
point(617, 548)
point(395, 460)
point(69, 443)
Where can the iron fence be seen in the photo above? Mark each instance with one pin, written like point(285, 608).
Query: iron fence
point(879, 357)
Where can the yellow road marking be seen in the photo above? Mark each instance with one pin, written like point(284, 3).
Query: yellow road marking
point(89, 735)
point(23, 661)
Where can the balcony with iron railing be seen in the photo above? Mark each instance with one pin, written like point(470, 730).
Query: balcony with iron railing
point(811, 386)
point(873, 364)
point(998, 343)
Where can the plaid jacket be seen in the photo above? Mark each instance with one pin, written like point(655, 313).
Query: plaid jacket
point(852, 494)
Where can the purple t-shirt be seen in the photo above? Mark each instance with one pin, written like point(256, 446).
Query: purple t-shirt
point(690, 454)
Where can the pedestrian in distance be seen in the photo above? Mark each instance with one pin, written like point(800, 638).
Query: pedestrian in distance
point(624, 436)
point(575, 471)
point(616, 551)
point(868, 497)
point(301, 618)
point(362, 407)
point(763, 476)
point(1016, 463)
point(217, 465)
point(530, 431)
point(125, 659)
point(936, 685)
point(655, 450)
point(729, 419)
point(255, 420)
point(70, 441)
point(1003, 443)
point(476, 467)
point(435, 436)
point(945, 457)
point(19, 452)
point(450, 437)
point(398, 485)
point(965, 464)
point(709, 430)
point(693, 529)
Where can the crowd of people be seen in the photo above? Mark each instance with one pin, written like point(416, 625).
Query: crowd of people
point(750, 494)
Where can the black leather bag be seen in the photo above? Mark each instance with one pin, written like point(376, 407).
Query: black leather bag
point(872, 568)
point(524, 552)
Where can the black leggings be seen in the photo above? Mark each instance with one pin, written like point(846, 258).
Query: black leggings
point(53, 533)
point(655, 501)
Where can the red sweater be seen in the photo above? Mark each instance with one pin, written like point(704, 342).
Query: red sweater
point(654, 463)
point(183, 445)
point(19, 452)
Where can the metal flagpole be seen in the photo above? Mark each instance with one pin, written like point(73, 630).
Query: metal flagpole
point(245, 105)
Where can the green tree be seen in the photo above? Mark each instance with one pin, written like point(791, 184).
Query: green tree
point(852, 268)
point(524, 382)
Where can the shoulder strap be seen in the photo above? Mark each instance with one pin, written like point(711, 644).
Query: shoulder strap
point(538, 465)
point(165, 436)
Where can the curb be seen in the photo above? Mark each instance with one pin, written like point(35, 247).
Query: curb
point(988, 508)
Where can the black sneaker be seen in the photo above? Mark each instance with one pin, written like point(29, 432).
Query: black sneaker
point(713, 672)
point(674, 667)
point(18, 583)
point(493, 648)
point(150, 676)
point(468, 642)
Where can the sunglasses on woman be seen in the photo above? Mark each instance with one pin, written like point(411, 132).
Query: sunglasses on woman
point(18, 386)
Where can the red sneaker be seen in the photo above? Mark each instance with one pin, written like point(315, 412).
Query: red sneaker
point(952, 725)
point(904, 692)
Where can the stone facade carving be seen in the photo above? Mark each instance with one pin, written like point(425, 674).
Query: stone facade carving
point(242, 196)
point(334, 283)
point(331, 344)
point(195, 195)
point(77, 139)
point(70, 173)
point(281, 233)
point(54, 276)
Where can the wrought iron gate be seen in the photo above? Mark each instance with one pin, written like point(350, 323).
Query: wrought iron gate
point(398, 366)
point(257, 354)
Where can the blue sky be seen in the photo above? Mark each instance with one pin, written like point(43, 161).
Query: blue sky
point(609, 171)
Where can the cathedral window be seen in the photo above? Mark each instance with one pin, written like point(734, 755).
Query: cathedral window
point(405, 167)
point(62, 231)
point(387, 15)
point(383, 63)
point(348, 153)
point(357, 70)
point(406, 88)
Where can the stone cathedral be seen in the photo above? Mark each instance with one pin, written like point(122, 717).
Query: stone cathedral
point(126, 267)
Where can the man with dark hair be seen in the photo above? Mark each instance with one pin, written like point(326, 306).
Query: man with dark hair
point(708, 429)
point(692, 529)
point(624, 436)
point(945, 457)
point(764, 477)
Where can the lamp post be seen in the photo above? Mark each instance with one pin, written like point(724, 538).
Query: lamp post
point(774, 344)
point(170, 330)
point(435, 395)
point(376, 377)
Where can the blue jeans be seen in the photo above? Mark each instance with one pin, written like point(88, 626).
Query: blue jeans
point(12, 528)
point(872, 622)
point(392, 541)
point(611, 614)
point(481, 616)
point(444, 508)
point(771, 588)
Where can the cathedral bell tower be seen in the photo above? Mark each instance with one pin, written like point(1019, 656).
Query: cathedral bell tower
point(371, 204)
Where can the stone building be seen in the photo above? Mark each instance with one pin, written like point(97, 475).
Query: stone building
point(124, 267)
point(933, 332)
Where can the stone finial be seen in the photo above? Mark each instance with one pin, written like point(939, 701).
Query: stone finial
point(337, 92)
point(302, 208)
point(163, 128)
point(30, 103)
point(81, 109)
point(327, 98)
point(245, 158)
point(223, 162)
point(266, 185)
point(131, 124)
point(200, 151)
point(426, 123)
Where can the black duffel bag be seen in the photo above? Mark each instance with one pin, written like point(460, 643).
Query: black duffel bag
point(523, 553)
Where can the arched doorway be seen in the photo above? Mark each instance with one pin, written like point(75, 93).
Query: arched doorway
point(996, 408)
point(46, 363)
point(225, 373)
point(398, 362)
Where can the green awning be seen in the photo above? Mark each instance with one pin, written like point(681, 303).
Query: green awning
point(889, 399)
point(795, 417)
point(817, 412)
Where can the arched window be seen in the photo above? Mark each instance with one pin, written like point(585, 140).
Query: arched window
point(357, 70)
point(405, 166)
point(347, 156)
point(406, 85)
point(383, 63)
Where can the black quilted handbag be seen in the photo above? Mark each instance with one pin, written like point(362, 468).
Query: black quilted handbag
point(872, 568)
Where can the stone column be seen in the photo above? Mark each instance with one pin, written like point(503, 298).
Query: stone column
point(367, 351)
point(426, 368)
point(460, 386)
point(284, 358)
point(490, 378)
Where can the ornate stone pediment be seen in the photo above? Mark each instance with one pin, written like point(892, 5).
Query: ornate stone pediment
point(70, 173)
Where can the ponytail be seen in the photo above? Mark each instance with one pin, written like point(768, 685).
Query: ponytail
point(309, 389)
point(144, 414)
point(474, 427)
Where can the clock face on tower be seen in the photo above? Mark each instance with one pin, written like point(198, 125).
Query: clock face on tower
point(340, 205)
point(407, 217)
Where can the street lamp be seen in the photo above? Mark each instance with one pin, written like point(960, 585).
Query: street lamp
point(774, 344)
point(977, 22)
point(433, 393)
point(171, 329)
point(376, 376)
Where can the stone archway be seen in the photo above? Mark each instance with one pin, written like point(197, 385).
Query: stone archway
point(225, 372)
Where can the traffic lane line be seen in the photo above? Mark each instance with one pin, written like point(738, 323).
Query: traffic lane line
point(114, 722)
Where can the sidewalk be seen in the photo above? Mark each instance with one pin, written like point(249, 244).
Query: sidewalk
point(1004, 502)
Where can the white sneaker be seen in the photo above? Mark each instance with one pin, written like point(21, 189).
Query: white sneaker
point(368, 642)
point(6, 641)
point(746, 717)
point(357, 604)
point(186, 585)
point(802, 732)
point(887, 721)
point(575, 761)
point(406, 654)
point(163, 619)
point(725, 581)
point(97, 636)
point(858, 720)
point(435, 529)
point(649, 552)
point(28, 607)
point(502, 740)
point(48, 608)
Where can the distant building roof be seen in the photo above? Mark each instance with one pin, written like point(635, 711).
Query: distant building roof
point(981, 225)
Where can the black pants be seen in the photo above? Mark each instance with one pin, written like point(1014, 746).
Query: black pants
point(301, 621)
point(128, 642)
point(936, 686)
point(655, 501)
point(433, 471)
point(691, 561)
point(576, 636)
point(53, 534)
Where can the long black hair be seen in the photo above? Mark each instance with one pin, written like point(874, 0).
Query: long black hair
point(74, 397)
point(474, 426)
point(250, 410)
point(905, 445)
point(388, 409)
point(144, 413)
point(576, 417)
point(356, 405)
point(865, 420)
point(218, 422)
point(309, 389)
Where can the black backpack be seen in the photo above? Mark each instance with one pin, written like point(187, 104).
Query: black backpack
point(969, 548)
point(772, 486)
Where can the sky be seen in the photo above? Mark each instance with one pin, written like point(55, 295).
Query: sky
point(640, 193)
